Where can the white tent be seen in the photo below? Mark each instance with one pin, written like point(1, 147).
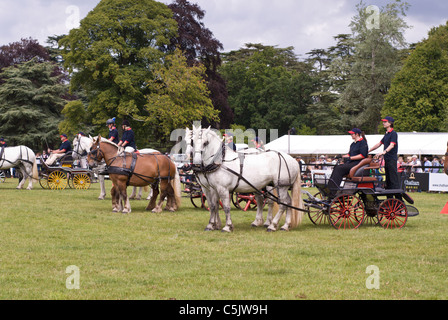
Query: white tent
point(408, 144)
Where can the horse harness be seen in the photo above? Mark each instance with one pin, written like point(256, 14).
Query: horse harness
point(201, 169)
point(21, 158)
point(130, 172)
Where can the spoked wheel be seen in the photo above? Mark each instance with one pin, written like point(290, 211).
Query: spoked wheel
point(43, 182)
point(392, 214)
point(318, 216)
point(2, 176)
point(57, 180)
point(346, 212)
point(196, 199)
point(244, 201)
point(81, 181)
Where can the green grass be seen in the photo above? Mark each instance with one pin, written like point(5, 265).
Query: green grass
point(168, 255)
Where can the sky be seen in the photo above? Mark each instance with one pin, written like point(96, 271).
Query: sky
point(303, 24)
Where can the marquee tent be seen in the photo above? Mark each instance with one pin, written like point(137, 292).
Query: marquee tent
point(408, 144)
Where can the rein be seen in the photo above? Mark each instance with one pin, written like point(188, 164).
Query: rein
point(202, 169)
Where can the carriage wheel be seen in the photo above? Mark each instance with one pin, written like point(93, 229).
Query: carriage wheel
point(81, 181)
point(43, 182)
point(392, 214)
point(244, 201)
point(57, 180)
point(318, 216)
point(196, 199)
point(346, 212)
point(2, 176)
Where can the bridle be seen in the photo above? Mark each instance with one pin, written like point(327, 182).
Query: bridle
point(202, 167)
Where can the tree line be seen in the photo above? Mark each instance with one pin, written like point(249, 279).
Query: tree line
point(159, 67)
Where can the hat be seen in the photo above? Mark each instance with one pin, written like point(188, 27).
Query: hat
point(126, 123)
point(110, 121)
point(355, 131)
point(388, 119)
point(63, 135)
point(1, 139)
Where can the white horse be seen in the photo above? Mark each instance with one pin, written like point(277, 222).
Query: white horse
point(24, 159)
point(82, 146)
point(220, 171)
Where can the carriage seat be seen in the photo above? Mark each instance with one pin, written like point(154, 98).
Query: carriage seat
point(358, 172)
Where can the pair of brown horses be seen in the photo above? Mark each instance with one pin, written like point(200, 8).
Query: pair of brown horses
point(137, 170)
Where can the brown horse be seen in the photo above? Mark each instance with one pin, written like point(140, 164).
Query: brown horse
point(137, 170)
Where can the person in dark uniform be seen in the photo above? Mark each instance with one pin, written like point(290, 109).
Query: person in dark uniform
point(113, 132)
point(59, 153)
point(128, 139)
point(3, 143)
point(390, 153)
point(358, 151)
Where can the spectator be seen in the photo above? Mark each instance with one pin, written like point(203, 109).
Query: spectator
point(427, 165)
point(436, 163)
point(416, 164)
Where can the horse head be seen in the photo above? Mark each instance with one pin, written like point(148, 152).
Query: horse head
point(204, 146)
point(81, 146)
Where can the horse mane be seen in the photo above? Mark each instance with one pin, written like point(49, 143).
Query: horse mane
point(106, 141)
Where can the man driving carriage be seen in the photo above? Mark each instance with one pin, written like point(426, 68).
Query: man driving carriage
point(59, 153)
point(358, 151)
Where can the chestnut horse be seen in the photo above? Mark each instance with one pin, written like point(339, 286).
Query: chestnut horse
point(137, 170)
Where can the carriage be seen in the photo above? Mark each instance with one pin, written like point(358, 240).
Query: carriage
point(360, 200)
point(67, 173)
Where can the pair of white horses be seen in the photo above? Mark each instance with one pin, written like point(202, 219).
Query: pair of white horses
point(220, 171)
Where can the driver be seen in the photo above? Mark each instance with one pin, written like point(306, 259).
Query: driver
point(113, 132)
point(128, 139)
point(59, 153)
point(359, 150)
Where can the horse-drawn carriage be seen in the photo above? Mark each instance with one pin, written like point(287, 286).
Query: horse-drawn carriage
point(66, 173)
point(361, 200)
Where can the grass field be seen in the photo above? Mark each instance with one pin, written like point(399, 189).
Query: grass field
point(168, 255)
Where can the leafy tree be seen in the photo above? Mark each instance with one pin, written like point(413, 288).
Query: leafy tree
point(376, 60)
point(418, 98)
point(22, 51)
point(331, 73)
point(268, 87)
point(199, 45)
point(179, 96)
point(111, 55)
point(31, 100)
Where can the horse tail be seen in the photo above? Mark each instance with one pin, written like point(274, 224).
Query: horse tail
point(175, 183)
point(296, 195)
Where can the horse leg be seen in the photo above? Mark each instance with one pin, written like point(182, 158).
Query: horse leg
point(22, 178)
point(152, 202)
point(133, 194)
point(286, 199)
point(102, 195)
point(170, 199)
point(115, 200)
point(224, 195)
point(124, 198)
point(259, 217)
point(213, 202)
point(163, 193)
